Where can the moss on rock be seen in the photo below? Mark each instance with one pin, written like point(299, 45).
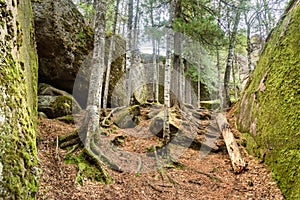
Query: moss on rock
point(18, 102)
point(270, 107)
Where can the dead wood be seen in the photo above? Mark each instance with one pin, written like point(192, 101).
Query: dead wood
point(238, 164)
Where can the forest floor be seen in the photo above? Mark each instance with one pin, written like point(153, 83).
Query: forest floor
point(202, 177)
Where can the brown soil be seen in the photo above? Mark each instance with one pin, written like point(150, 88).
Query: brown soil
point(208, 177)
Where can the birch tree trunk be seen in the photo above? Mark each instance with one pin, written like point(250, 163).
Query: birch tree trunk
point(167, 83)
point(230, 55)
point(109, 62)
point(96, 79)
point(129, 51)
point(157, 71)
point(199, 87)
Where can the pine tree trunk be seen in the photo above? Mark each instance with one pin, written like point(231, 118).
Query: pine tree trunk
point(154, 61)
point(249, 47)
point(176, 84)
point(187, 85)
point(110, 53)
point(136, 23)
point(219, 79)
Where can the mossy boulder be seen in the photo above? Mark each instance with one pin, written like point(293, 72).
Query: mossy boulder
point(18, 102)
point(56, 103)
point(270, 105)
point(127, 117)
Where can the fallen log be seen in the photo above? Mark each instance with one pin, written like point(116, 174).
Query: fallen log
point(238, 164)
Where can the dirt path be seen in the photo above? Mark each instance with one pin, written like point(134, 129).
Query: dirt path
point(204, 177)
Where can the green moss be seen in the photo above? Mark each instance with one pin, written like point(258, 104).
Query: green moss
point(277, 107)
point(87, 168)
point(18, 76)
point(69, 119)
point(62, 105)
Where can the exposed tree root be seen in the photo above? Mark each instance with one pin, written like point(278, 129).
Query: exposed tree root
point(206, 174)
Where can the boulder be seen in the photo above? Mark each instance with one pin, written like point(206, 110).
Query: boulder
point(56, 103)
point(63, 41)
point(269, 110)
point(157, 124)
point(127, 117)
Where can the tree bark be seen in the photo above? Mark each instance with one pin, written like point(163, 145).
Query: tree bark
point(188, 92)
point(96, 79)
point(176, 84)
point(237, 161)
point(109, 62)
point(136, 25)
point(199, 87)
point(166, 128)
point(129, 51)
point(249, 47)
point(219, 80)
point(227, 102)
point(233, 77)
point(154, 59)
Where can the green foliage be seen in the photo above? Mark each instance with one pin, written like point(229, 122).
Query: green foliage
point(88, 10)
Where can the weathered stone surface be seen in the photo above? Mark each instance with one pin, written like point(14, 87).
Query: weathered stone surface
point(18, 102)
point(270, 106)
point(63, 41)
point(56, 103)
point(127, 117)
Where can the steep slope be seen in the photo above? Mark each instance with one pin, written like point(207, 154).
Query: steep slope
point(270, 105)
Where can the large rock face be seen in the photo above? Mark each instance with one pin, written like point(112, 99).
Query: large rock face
point(270, 105)
point(18, 102)
point(63, 41)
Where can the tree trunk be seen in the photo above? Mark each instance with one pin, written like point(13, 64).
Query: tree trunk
point(111, 48)
point(188, 92)
point(167, 83)
point(249, 47)
point(227, 102)
point(233, 78)
point(154, 59)
point(219, 79)
point(18, 102)
point(176, 84)
point(199, 87)
point(121, 29)
point(129, 51)
point(157, 70)
point(96, 79)
point(136, 23)
point(237, 161)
